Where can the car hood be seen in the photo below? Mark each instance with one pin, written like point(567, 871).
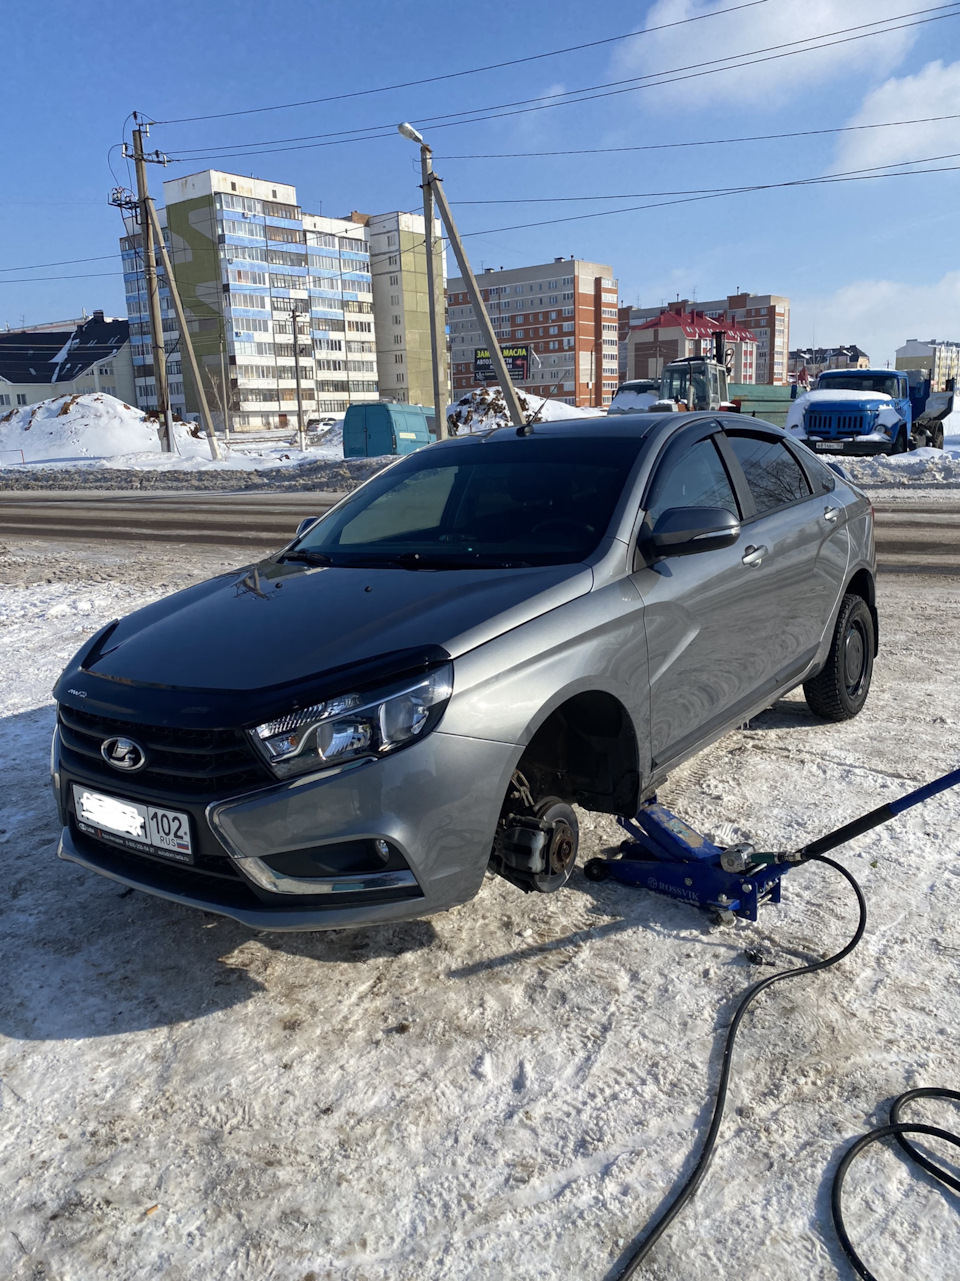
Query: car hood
point(271, 624)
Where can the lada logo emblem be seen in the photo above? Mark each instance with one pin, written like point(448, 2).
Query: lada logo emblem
point(123, 753)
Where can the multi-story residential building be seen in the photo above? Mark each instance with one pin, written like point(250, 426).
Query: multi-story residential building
point(64, 358)
point(939, 357)
point(401, 305)
point(564, 312)
point(807, 362)
point(673, 335)
point(279, 303)
point(765, 315)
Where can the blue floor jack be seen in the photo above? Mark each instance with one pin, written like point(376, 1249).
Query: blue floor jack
point(665, 855)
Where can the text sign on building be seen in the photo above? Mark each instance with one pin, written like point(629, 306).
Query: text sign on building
point(516, 358)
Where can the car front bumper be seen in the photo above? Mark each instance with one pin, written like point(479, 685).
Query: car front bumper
point(435, 804)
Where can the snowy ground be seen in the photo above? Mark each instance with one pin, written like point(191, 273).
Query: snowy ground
point(509, 1089)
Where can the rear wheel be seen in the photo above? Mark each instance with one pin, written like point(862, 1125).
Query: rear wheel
point(840, 690)
point(900, 443)
point(937, 441)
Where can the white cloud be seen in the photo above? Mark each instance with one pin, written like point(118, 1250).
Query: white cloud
point(933, 91)
point(878, 315)
point(772, 23)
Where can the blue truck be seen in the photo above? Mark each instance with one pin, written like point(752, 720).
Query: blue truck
point(870, 411)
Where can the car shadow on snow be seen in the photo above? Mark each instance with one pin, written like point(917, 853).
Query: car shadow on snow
point(82, 956)
point(786, 713)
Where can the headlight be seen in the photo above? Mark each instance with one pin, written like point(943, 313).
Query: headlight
point(354, 725)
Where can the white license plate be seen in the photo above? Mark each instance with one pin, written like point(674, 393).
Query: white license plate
point(134, 825)
point(825, 445)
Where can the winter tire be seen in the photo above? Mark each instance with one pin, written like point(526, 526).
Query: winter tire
point(899, 445)
point(840, 690)
point(937, 441)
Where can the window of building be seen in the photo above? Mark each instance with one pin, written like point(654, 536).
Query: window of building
point(398, 358)
point(4, 400)
point(398, 340)
point(21, 398)
point(568, 327)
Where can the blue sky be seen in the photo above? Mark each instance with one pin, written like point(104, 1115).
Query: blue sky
point(868, 262)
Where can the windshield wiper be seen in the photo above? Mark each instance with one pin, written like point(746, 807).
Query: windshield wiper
point(308, 557)
point(422, 560)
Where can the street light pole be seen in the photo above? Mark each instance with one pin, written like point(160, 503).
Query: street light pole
point(479, 310)
point(437, 337)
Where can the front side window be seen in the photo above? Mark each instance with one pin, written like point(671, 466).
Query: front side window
point(773, 475)
point(694, 478)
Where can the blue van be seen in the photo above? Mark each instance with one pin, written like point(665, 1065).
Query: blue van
point(370, 431)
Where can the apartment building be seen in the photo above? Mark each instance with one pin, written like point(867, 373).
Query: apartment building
point(767, 316)
point(940, 358)
point(279, 303)
point(563, 312)
point(806, 363)
point(401, 305)
point(675, 334)
point(64, 358)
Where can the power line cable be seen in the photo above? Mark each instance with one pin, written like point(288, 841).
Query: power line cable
point(714, 195)
point(65, 262)
point(472, 71)
point(699, 142)
point(612, 88)
point(697, 191)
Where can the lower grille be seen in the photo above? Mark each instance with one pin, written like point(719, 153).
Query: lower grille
point(180, 762)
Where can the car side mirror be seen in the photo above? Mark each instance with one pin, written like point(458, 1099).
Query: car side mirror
point(305, 524)
point(681, 531)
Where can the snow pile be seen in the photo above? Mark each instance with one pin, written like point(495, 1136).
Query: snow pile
point(920, 467)
point(70, 428)
point(484, 408)
point(98, 429)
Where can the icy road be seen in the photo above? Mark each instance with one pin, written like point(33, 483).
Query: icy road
point(507, 1090)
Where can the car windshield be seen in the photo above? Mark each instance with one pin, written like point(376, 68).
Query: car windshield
point(676, 382)
point(506, 504)
point(886, 383)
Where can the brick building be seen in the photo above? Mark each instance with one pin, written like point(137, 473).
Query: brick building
point(767, 316)
point(674, 334)
point(564, 312)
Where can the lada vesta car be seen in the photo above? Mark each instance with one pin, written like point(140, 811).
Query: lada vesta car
point(425, 683)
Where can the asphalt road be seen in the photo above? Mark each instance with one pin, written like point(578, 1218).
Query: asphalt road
point(912, 537)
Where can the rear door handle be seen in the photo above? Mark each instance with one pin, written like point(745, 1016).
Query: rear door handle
point(831, 513)
point(754, 555)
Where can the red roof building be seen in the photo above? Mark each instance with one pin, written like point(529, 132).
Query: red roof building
point(676, 334)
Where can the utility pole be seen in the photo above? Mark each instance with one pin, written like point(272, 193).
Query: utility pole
point(295, 315)
point(432, 182)
point(150, 275)
point(437, 341)
point(186, 345)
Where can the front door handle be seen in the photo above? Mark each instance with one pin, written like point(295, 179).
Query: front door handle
point(831, 513)
point(754, 555)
